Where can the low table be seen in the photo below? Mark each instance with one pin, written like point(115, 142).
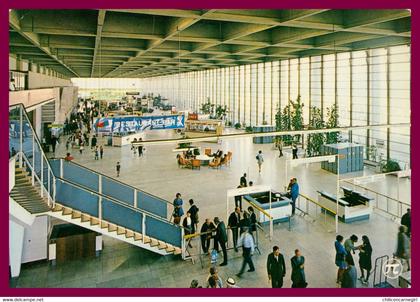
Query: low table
point(204, 159)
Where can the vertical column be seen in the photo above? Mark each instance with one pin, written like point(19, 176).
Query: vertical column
point(143, 226)
point(322, 86)
point(288, 80)
point(271, 108)
point(298, 76)
point(368, 101)
point(257, 103)
point(135, 198)
point(388, 105)
point(335, 80)
point(310, 87)
point(351, 96)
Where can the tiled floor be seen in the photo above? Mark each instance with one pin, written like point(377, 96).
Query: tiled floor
point(123, 265)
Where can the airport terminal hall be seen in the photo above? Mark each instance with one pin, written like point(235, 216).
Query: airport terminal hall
point(209, 148)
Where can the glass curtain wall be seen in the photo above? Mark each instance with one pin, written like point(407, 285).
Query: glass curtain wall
point(369, 87)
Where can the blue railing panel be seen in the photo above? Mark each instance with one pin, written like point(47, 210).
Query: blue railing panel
point(121, 215)
point(164, 231)
point(80, 176)
point(152, 204)
point(55, 166)
point(76, 198)
point(118, 191)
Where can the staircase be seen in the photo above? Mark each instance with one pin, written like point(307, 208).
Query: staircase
point(42, 191)
point(112, 230)
point(26, 195)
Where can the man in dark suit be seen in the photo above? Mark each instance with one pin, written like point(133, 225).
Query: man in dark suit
point(221, 238)
point(243, 181)
point(276, 268)
point(233, 223)
point(207, 227)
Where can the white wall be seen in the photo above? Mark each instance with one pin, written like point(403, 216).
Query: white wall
point(38, 80)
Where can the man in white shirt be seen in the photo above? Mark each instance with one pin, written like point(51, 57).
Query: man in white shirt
point(247, 242)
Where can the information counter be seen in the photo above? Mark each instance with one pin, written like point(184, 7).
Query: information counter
point(281, 208)
point(127, 139)
point(352, 207)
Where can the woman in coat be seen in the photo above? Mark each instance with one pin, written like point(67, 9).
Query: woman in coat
point(298, 270)
point(340, 256)
point(365, 259)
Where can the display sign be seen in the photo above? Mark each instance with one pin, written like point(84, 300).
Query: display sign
point(122, 124)
point(193, 116)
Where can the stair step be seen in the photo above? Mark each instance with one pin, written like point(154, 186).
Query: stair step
point(104, 224)
point(76, 214)
point(137, 236)
point(170, 248)
point(67, 211)
point(177, 251)
point(129, 234)
point(112, 227)
point(85, 217)
point(94, 221)
point(121, 230)
point(147, 239)
point(162, 245)
point(154, 242)
point(58, 208)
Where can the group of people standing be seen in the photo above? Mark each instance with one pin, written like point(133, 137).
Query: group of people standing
point(347, 272)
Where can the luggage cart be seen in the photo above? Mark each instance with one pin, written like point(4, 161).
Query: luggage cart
point(382, 281)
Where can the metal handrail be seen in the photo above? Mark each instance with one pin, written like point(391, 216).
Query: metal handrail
point(36, 176)
point(318, 204)
point(375, 192)
point(260, 209)
point(116, 180)
point(22, 107)
point(115, 200)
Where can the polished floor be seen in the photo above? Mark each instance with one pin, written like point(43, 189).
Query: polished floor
point(123, 265)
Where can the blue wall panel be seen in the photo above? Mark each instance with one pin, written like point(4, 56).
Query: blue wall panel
point(121, 215)
point(77, 199)
point(152, 204)
point(166, 232)
point(118, 191)
point(81, 176)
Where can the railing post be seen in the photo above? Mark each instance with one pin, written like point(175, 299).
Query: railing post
point(100, 197)
point(183, 245)
point(55, 190)
point(33, 160)
point(20, 137)
point(135, 198)
point(61, 168)
point(143, 226)
point(49, 187)
point(42, 176)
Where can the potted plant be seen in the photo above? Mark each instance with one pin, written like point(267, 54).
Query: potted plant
point(390, 165)
point(332, 122)
point(237, 126)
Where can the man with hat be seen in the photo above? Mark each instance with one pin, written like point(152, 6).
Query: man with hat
point(230, 283)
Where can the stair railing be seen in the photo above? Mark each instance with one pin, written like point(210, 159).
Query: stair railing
point(45, 176)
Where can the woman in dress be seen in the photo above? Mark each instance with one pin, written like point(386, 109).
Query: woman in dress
point(365, 259)
point(340, 257)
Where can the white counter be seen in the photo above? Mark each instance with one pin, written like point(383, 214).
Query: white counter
point(345, 212)
point(119, 141)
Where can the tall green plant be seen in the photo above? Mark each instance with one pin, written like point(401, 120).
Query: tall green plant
point(290, 118)
point(220, 112)
point(207, 107)
point(332, 122)
point(297, 116)
point(316, 140)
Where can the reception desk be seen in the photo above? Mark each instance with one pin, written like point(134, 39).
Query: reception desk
point(349, 209)
point(123, 140)
point(281, 208)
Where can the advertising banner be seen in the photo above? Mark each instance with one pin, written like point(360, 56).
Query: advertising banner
point(123, 124)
